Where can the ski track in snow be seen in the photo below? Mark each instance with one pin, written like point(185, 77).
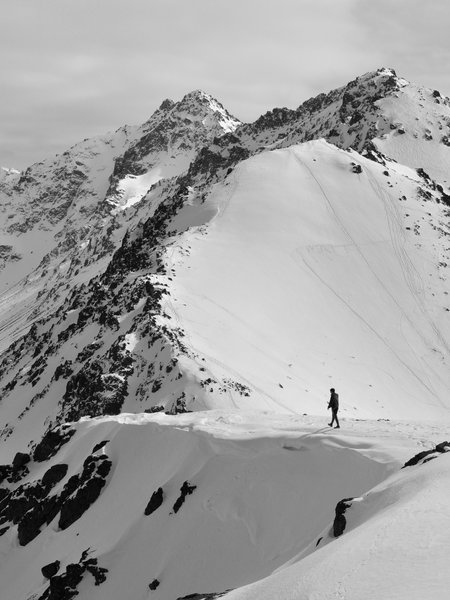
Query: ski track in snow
point(225, 367)
point(333, 211)
point(410, 273)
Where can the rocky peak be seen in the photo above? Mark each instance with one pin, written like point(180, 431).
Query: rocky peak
point(166, 105)
point(170, 138)
point(8, 178)
point(211, 112)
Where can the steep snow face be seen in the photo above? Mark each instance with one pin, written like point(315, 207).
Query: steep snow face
point(263, 488)
point(395, 546)
point(313, 276)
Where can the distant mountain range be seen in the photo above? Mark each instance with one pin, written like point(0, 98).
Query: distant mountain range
point(165, 283)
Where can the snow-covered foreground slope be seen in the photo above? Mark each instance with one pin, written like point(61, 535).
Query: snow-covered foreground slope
point(312, 276)
point(263, 488)
point(396, 546)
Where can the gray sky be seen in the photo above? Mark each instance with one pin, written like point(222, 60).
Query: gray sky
point(72, 69)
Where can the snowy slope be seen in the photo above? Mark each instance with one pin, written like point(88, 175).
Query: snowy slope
point(308, 277)
point(61, 217)
point(395, 546)
point(264, 490)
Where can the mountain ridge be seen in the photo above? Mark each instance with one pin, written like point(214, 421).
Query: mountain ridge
point(176, 301)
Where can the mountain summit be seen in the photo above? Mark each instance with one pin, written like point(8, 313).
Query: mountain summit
point(177, 299)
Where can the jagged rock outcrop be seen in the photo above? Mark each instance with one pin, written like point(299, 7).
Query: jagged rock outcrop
point(155, 502)
point(340, 521)
point(153, 585)
point(31, 505)
point(50, 570)
point(52, 442)
point(64, 586)
point(427, 455)
point(186, 489)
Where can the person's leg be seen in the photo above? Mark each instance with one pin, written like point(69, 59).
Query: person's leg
point(335, 417)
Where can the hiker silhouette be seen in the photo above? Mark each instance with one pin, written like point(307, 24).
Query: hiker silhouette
point(334, 405)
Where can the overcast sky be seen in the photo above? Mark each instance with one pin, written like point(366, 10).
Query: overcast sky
point(72, 69)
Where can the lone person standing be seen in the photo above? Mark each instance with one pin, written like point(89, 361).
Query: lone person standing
point(334, 405)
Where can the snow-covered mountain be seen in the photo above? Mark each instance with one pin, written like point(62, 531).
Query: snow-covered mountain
point(233, 272)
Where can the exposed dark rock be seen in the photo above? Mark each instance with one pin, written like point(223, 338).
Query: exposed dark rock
point(339, 520)
point(51, 569)
point(154, 409)
point(5, 472)
point(428, 454)
point(20, 460)
point(37, 512)
point(84, 489)
point(99, 446)
point(52, 442)
point(88, 351)
point(275, 118)
point(54, 474)
point(155, 501)
point(204, 596)
point(185, 490)
point(167, 104)
point(90, 392)
point(63, 370)
point(31, 506)
point(357, 169)
point(424, 175)
point(64, 586)
point(17, 470)
point(154, 584)
point(98, 573)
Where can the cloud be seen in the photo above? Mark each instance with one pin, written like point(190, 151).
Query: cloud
point(412, 36)
point(76, 69)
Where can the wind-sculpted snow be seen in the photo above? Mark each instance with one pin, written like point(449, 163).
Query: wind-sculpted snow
point(260, 490)
point(394, 546)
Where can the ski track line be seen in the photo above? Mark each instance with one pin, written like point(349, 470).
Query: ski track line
point(347, 233)
point(411, 275)
point(195, 353)
point(372, 329)
point(227, 368)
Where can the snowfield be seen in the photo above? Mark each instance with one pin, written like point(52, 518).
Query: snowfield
point(266, 488)
point(307, 278)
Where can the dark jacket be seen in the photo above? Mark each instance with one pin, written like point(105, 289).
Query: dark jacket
point(334, 402)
